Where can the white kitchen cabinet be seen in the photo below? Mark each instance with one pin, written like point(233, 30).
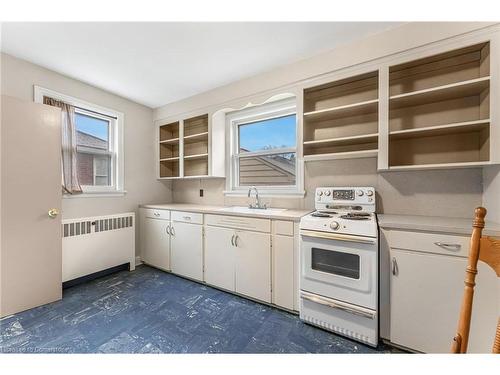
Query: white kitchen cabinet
point(283, 271)
point(156, 242)
point(426, 289)
point(219, 257)
point(186, 243)
point(252, 264)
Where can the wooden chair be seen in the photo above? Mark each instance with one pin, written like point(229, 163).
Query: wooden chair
point(487, 250)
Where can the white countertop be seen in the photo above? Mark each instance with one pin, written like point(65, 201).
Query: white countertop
point(435, 224)
point(288, 214)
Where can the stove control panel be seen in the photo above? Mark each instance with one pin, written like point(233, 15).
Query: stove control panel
point(352, 196)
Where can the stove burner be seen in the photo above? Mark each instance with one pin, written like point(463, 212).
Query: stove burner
point(356, 216)
point(320, 214)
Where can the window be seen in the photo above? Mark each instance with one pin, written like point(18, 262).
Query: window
point(99, 145)
point(94, 149)
point(264, 149)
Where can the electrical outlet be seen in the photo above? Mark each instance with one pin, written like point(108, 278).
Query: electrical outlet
point(201, 192)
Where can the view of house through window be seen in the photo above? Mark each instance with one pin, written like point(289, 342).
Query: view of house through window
point(271, 147)
point(94, 160)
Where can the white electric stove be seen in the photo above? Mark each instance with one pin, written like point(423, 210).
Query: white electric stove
point(339, 263)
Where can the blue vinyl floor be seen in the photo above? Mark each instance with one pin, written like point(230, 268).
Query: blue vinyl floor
point(150, 311)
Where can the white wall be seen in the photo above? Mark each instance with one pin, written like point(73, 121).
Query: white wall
point(452, 193)
point(491, 198)
point(17, 79)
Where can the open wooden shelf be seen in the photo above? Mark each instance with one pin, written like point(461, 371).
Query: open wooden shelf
point(348, 110)
point(439, 111)
point(459, 127)
point(169, 150)
point(441, 93)
point(196, 166)
point(451, 67)
point(440, 166)
point(170, 141)
point(169, 168)
point(352, 140)
point(196, 125)
point(197, 156)
point(343, 155)
point(196, 137)
point(341, 118)
point(169, 132)
point(170, 159)
point(189, 138)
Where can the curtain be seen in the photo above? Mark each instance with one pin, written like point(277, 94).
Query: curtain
point(70, 184)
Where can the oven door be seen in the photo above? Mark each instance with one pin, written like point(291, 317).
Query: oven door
point(340, 266)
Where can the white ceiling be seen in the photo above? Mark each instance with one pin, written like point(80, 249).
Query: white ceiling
point(159, 63)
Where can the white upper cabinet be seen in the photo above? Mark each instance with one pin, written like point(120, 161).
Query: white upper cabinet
point(185, 149)
point(430, 107)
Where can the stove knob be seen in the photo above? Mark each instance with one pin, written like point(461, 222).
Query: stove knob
point(360, 193)
point(369, 193)
point(320, 193)
point(334, 225)
point(327, 193)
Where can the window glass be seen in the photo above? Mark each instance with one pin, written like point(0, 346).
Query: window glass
point(279, 132)
point(270, 170)
point(93, 156)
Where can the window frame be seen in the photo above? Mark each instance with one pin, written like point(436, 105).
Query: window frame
point(115, 148)
point(266, 111)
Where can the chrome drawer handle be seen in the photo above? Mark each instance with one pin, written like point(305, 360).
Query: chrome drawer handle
point(172, 231)
point(156, 213)
point(236, 240)
point(395, 269)
point(448, 245)
point(232, 240)
point(352, 309)
point(186, 217)
point(168, 229)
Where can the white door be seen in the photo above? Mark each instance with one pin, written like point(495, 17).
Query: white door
point(156, 246)
point(283, 271)
point(426, 292)
point(219, 257)
point(187, 250)
point(31, 246)
point(253, 264)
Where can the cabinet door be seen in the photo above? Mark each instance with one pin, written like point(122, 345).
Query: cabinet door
point(426, 292)
point(253, 264)
point(156, 246)
point(219, 257)
point(187, 250)
point(283, 271)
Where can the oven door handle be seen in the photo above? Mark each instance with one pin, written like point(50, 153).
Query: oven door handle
point(357, 310)
point(338, 237)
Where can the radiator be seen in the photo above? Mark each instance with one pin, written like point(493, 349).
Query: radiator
point(94, 244)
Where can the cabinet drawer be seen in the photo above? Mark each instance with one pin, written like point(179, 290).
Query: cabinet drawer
point(187, 217)
point(156, 214)
point(282, 227)
point(436, 243)
point(238, 222)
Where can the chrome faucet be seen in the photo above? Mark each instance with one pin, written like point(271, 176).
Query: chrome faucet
point(257, 204)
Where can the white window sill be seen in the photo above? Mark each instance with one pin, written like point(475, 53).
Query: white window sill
point(266, 194)
point(97, 194)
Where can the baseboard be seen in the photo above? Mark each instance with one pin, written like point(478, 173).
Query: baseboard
point(95, 275)
point(138, 261)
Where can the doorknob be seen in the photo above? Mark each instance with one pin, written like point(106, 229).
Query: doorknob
point(53, 212)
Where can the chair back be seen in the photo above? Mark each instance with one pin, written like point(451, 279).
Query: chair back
point(486, 249)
